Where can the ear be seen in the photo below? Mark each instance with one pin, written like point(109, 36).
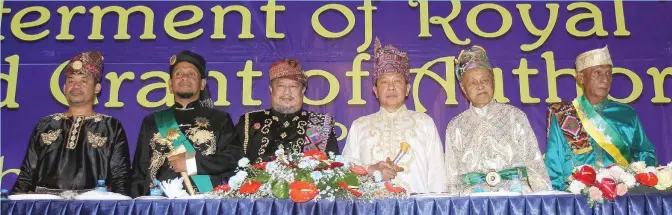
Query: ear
point(203, 83)
point(98, 88)
point(462, 88)
point(579, 78)
point(270, 89)
point(408, 89)
point(304, 90)
point(170, 85)
point(375, 90)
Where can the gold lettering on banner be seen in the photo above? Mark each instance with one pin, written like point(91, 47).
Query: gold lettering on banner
point(246, 23)
point(12, 79)
point(122, 26)
point(659, 84)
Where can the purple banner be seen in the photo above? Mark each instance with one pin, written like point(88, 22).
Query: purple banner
point(532, 44)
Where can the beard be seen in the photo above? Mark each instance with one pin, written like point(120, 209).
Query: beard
point(286, 109)
point(185, 95)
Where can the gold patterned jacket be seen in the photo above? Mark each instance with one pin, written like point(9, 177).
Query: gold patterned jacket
point(73, 153)
point(210, 132)
point(261, 132)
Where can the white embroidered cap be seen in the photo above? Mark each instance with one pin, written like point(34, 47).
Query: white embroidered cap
point(593, 57)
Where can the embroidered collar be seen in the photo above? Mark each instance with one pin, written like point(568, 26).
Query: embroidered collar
point(190, 106)
point(399, 110)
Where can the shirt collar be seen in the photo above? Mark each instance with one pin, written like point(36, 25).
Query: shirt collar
point(482, 111)
point(190, 106)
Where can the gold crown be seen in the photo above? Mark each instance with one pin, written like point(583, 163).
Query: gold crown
point(593, 57)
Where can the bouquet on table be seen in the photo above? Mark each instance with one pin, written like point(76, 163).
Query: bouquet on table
point(613, 181)
point(307, 176)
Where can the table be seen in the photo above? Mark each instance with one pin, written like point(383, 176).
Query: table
point(556, 204)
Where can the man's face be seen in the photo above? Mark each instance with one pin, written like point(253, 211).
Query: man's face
point(186, 81)
point(596, 80)
point(287, 95)
point(391, 89)
point(478, 85)
point(80, 89)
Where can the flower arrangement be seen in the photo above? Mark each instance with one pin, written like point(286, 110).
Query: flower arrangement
point(613, 181)
point(307, 176)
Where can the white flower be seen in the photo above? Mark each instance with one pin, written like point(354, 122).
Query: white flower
point(638, 166)
point(629, 180)
point(244, 162)
point(316, 175)
point(603, 173)
point(271, 167)
point(303, 164)
point(669, 166)
point(331, 154)
point(650, 169)
point(237, 180)
point(576, 187)
point(378, 176)
point(616, 171)
point(279, 152)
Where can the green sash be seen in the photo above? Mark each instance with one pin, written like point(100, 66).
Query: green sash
point(166, 122)
point(470, 179)
point(601, 131)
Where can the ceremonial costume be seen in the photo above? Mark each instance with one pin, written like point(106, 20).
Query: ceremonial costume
point(491, 143)
point(207, 134)
point(262, 132)
point(375, 137)
point(68, 152)
point(600, 135)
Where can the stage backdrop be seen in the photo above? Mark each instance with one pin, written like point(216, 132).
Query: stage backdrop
point(532, 45)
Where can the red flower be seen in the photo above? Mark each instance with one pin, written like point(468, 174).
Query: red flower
point(392, 188)
point(647, 178)
point(222, 188)
point(345, 186)
point(336, 164)
point(250, 187)
point(302, 191)
point(608, 188)
point(315, 154)
point(261, 166)
point(359, 170)
point(585, 175)
point(317, 169)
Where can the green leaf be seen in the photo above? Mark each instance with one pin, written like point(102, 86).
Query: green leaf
point(303, 176)
point(351, 179)
point(262, 177)
point(280, 189)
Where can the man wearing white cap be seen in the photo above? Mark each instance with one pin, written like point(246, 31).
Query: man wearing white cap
point(592, 129)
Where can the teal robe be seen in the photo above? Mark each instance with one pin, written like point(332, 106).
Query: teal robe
point(564, 126)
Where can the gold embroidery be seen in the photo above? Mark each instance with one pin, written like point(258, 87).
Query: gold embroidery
point(264, 140)
point(283, 135)
point(74, 133)
point(286, 124)
point(202, 122)
point(247, 133)
point(96, 140)
point(157, 138)
point(50, 137)
point(172, 134)
point(200, 137)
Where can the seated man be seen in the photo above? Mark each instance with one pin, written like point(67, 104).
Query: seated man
point(286, 124)
point(211, 149)
point(490, 142)
point(592, 129)
point(73, 150)
point(377, 138)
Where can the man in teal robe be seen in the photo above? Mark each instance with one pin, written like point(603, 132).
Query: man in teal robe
point(592, 129)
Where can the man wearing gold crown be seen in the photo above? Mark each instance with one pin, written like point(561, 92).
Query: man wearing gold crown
point(376, 140)
point(593, 129)
point(71, 151)
point(190, 139)
point(490, 143)
point(286, 124)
